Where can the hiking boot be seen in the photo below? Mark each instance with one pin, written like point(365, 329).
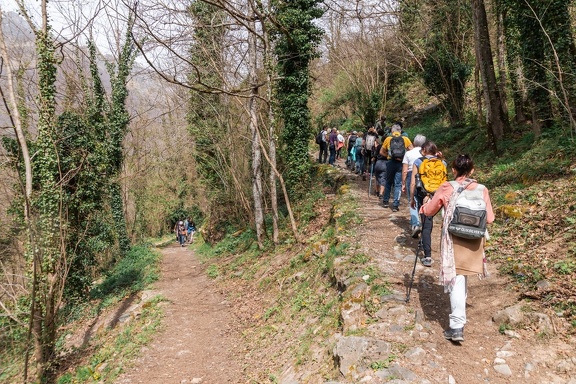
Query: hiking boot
point(385, 204)
point(394, 209)
point(426, 261)
point(454, 334)
point(416, 229)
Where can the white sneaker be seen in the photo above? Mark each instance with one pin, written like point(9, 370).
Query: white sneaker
point(416, 229)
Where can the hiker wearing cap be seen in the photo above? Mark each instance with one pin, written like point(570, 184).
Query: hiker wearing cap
point(395, 147)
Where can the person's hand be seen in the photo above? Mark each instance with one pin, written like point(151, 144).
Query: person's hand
point(413, 203)
point(403, 188)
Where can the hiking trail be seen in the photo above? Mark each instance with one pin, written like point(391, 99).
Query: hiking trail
point(200, 341)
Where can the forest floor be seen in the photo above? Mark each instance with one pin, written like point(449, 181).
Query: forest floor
point(201, 339)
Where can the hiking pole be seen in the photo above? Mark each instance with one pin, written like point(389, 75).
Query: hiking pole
point(370, 183)
point(418, 250)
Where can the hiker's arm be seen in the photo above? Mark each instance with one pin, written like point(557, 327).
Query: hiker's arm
point(413, 181)
point(489, 211)
point(432, 206)
point(404, 174)
point(408, 144)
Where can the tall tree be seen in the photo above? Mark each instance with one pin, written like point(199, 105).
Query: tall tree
point(497, 121)
point(441, 46)
point(540, 45)
point(118, 121)
point(296, 41)
point(257, 194)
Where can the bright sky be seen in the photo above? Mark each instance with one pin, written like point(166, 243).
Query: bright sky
point(69, 18)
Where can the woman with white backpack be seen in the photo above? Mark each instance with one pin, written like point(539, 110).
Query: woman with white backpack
point(461, 255)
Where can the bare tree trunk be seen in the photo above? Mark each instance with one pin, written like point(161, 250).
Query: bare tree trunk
point(256, 151)
point(286, 197)
point(14, 114)
point(268, 65)
point(272, 151)
point(478, 87)
point(11, 105)
point(496, 119)
point(502, 62)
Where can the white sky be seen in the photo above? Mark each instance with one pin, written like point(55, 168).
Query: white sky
point(70, 17)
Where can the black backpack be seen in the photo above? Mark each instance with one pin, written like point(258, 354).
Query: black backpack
point(351, 141)
point(319, 137)
point(397, 148)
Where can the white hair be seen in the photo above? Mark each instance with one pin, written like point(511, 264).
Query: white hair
point(419, 140)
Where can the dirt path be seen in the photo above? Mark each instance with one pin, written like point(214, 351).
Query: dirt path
point(198, 342)
point(486, 355)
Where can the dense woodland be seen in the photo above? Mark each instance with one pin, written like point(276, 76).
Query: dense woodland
point(119, 119)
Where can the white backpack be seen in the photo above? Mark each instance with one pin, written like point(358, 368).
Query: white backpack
point(370, 140)
point(469, 218)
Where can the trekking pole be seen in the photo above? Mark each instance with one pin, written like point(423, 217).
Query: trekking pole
point(370, 183)
point(418, 250)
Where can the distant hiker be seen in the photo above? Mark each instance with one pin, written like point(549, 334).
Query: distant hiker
point(394, 147)
point(351, 159)
point(322, 141)
point(424, 169)
point(380, 126)
point(190, 230)
point(358, 151)
point(181, 233)
point(379, 170)
point(460, 257)
point(369, 148)
point(407, 164)
point(332, 143)
point(340, 138)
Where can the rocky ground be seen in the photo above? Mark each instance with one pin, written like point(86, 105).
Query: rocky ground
point(532, 350)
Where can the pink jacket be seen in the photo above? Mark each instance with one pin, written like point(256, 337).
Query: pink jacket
point(442, 197)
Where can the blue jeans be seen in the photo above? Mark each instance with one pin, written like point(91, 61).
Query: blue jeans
point(332, 157)
point(414, 220)
point(393, 177)
point(359, 163)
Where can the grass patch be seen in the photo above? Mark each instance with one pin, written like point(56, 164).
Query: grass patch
point(116, 348)
point(138, 269)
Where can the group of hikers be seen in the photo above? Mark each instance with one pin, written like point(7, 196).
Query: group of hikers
point(184, 230)
point(418, 169)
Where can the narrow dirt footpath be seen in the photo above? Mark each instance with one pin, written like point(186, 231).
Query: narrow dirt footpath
point(486, 355)
point(198, 342)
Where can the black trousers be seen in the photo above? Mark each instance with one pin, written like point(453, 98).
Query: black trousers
point(323, 156)
point(427, 223)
